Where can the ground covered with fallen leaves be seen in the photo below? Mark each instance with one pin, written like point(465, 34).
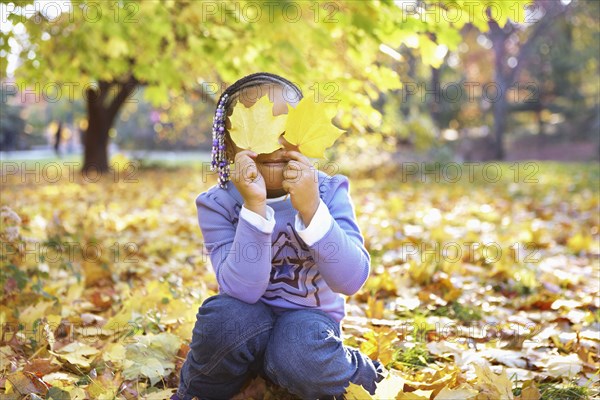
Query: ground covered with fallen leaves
point(482, 287)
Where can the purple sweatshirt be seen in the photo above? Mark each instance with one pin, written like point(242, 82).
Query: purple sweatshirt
point(280, 261)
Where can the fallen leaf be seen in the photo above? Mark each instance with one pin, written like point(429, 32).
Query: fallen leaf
point(380, 344)
point(41, 366)
point(60, 378)
point(500, 384)
point(152, 357)
point(77, 353)
point(416, 395)
point(23, 384)
point(529, 391)
point(389, 387)
point(461, 393)
point(356, 392)
point(159, 395)
point(55, 393)
point(115, 353)
point(434, 381)
point(563, 366)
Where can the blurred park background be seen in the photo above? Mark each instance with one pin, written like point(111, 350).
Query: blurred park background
point(410, 78)
point(471, 126)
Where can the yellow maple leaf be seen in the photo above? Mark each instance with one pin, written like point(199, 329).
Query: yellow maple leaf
point(416, 395)
point(463, 392)
point(356, 392)
point(500, 384)
point(309, 127)
point(389, 388)
point(256, 128)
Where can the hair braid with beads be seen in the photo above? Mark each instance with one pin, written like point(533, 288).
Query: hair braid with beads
point(221, 143)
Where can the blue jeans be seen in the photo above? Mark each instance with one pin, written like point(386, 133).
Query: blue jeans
point(300, 350)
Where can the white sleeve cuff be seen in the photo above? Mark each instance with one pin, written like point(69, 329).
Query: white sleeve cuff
point(264, 225)
point(318, 227)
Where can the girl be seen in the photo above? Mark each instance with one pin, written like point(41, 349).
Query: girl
point(285, 246)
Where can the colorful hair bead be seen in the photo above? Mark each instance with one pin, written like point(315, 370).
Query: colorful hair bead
point(219, 159)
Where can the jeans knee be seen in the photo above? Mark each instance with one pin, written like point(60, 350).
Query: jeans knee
point(306, 355)
point(224, 322)
point(306, 329)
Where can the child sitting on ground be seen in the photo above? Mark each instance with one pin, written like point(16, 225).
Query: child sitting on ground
point(285, 247)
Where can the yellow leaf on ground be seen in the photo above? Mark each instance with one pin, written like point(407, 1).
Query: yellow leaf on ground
point(61, 379)
point(416, 395)
point(115, 353)
point(379, 344)
point(499, 383)
point(256, 128)
point(103, 390)
point(164, 394)
point(529, 391)
point(77, 353)
point(20, 383)
point(356, 392)
point(564, 366)
point(580, 242)
point(309, 127)
point(76, 393)
point(390, 387)
point(31, 314)
point(463, 393)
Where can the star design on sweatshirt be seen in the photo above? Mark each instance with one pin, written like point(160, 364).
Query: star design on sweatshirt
point(292, 275)
point(287, 270)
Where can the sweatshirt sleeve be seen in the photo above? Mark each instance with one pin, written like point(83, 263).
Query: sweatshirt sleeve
point(340, 255)
point(318, 227)
point(240, 256)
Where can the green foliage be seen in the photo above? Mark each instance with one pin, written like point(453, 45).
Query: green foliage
point(185, 47)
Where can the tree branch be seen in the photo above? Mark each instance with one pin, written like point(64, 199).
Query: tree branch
point(125, 89)
point(553, 12)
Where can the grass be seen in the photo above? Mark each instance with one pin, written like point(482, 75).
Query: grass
point(558, 391)
point(459, 311)
point(414, 357)
point(552, 391)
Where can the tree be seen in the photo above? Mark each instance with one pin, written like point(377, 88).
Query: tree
point(11, 123)
point(505, 73)
point(106, 50)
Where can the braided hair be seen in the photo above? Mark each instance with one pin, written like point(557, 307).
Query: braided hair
point(222, 145)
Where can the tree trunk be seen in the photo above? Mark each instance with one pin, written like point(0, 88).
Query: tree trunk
point(500, 118)
point(96, 140)
point(435, 104)
point(506, 77)
point(102, 112)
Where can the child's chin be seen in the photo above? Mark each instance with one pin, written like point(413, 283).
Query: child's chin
point(274, 185)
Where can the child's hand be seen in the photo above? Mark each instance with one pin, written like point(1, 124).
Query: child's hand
point(249, 182)
point(301, 181)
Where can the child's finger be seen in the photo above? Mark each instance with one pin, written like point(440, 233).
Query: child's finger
point(248, 153)
point(294, 165)
point(292, 172)
point(286, 185)
point(245, 167)
point(295, 155)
